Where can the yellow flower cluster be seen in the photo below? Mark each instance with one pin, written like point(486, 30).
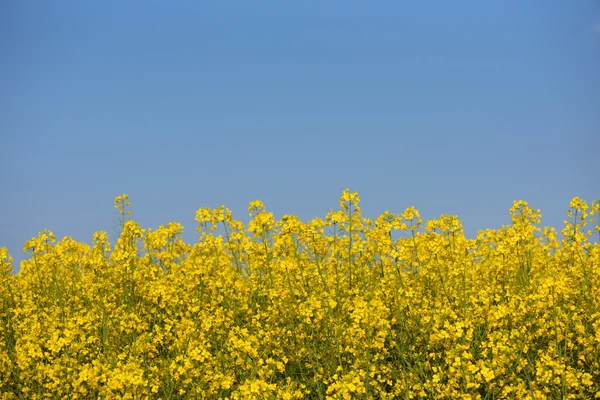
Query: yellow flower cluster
point(337, 308)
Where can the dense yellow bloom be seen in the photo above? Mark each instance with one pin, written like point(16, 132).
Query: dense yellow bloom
point(342, 307)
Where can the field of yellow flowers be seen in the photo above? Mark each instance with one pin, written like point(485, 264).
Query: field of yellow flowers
point(337, 308)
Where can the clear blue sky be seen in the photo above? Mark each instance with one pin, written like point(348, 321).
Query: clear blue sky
point(456, 107)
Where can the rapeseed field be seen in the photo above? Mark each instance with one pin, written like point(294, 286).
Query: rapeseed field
point(340, 307)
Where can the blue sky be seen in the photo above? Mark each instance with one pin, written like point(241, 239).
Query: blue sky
point(454, 107)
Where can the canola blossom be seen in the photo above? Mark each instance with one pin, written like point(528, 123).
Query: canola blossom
point(340, 307)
